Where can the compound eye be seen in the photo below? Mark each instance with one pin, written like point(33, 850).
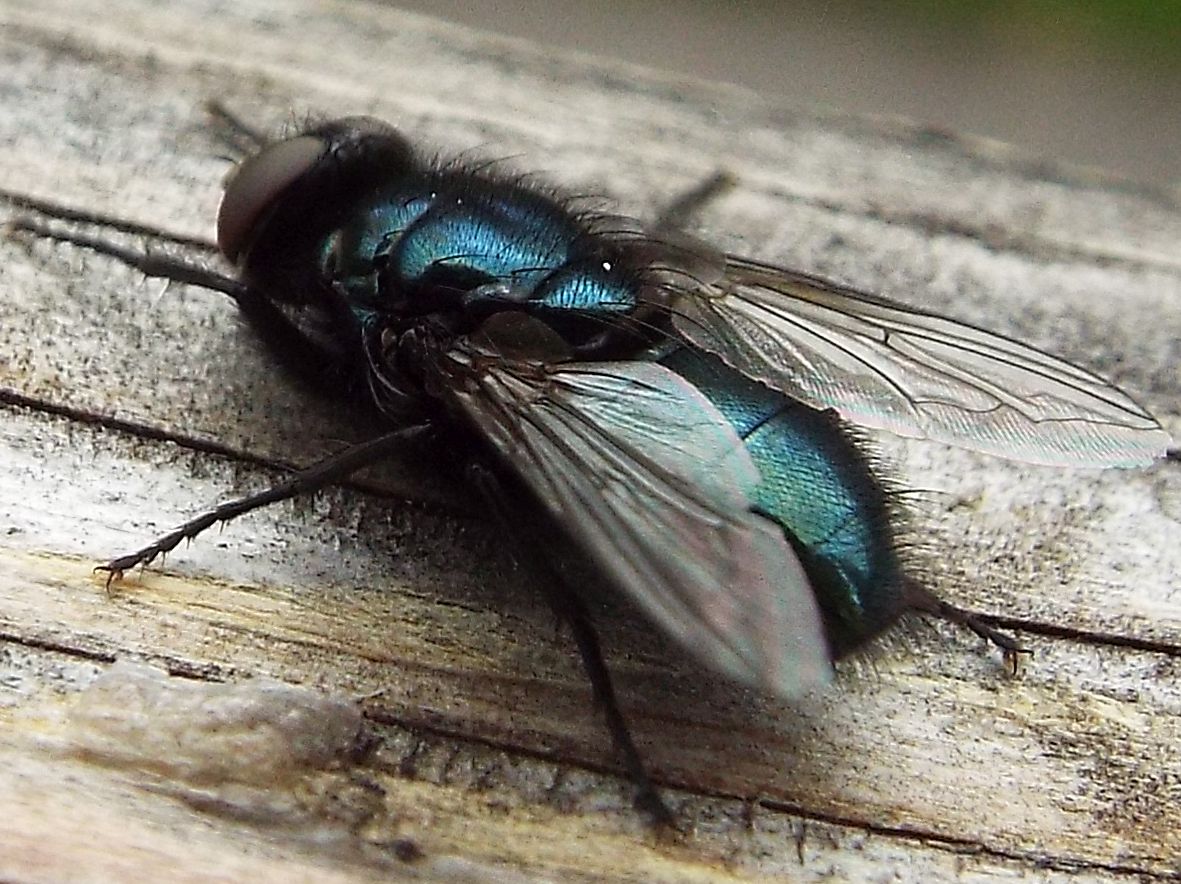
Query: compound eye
point(256, 184)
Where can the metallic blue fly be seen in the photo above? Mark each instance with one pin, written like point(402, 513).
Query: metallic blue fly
point(679, 415)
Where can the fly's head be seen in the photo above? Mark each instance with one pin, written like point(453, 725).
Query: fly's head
point(295, 191)
point(284, 223)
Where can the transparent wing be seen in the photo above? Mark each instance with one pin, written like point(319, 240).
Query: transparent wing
point(885, 365)
point(645, 474)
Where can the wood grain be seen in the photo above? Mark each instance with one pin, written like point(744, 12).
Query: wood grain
point(129, 406)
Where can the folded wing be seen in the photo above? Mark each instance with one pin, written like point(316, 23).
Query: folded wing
point(645, 474)
point(914, 373)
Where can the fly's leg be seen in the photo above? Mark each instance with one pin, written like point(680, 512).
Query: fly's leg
point(922, 599)
point(683, 209)
point(298, 353)
point(338, 466)
point(155, 266)
point(239, 137)
point(570, 609)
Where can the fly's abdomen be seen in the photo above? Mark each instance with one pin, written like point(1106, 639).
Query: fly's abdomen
point(818, 487)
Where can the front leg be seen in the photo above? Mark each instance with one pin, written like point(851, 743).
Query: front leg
point(331, 469)
point(297, 352)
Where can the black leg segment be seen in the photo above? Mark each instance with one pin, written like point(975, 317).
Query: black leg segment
point(338, 466)
point(569, 608)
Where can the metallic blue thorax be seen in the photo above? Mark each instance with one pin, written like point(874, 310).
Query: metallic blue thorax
point(450, 240)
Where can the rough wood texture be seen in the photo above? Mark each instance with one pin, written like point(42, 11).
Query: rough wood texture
point(130, 406)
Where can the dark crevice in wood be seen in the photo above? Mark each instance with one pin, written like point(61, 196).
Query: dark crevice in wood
point(921, 837)
point(210, 672)
point(967, 846)
point(994, 237)
point(178, 668)
point(434, 727)
point(44, 644)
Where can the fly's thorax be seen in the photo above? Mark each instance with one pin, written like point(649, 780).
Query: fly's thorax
point(465, 247)
point(818, 485)
point(480, 247)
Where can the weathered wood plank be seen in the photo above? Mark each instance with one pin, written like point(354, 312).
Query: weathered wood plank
point(901, 767)
point(445, 665)
point(475, 814)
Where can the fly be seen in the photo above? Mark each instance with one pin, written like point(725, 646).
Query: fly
point(679, 417)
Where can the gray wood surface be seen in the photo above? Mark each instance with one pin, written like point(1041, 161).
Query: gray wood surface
point(129, 406)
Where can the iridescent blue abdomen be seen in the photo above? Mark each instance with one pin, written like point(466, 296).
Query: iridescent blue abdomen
point(818, 487)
